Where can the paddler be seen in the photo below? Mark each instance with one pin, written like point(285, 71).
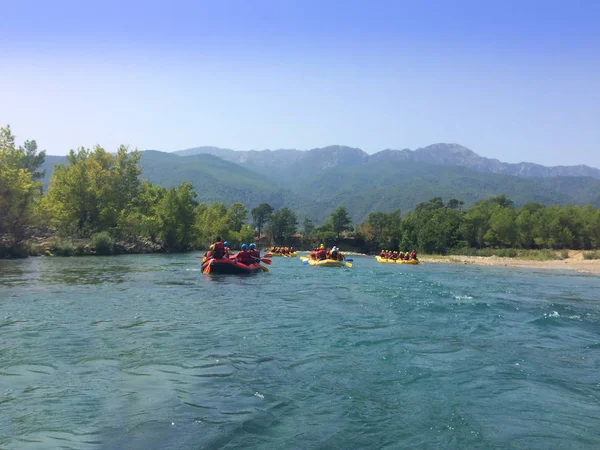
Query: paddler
point(334, 253)
point(321, 253)
point(253, 252)
point(219, 249)
point(243, 256)
point(413, 255)
point(382, 254)
point(227, 249)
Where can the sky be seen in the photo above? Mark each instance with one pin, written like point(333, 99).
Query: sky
point(512, 80)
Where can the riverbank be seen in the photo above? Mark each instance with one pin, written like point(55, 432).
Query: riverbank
point(99, 244)
point(574, 261)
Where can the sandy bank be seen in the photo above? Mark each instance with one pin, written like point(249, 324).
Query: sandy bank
point(575, 262)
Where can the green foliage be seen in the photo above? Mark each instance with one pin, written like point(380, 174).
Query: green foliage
point(261, 215)
point(61, 247)
point(282, 225)
point(236, 216)
point(18, 191)
point(32, 160)
point(381, 230)
point(591, 255)
point(89, 193)
point(494, 223)
point(339, 221)
point(103, 243)
point(176, 217)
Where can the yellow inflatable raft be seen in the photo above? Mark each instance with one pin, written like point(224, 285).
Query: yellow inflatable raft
point(396, 261)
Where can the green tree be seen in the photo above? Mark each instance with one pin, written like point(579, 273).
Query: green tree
point(340, 221)
point(261, 215)
point(210, 223)
point(89, 192)
point(176, 212)
point(32, 159)
point(236, 216)
point(282, 225)
point(18, 192)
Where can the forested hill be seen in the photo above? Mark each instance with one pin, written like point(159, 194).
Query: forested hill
point(316, 182)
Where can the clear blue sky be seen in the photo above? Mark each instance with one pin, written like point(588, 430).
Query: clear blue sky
point(514, 80)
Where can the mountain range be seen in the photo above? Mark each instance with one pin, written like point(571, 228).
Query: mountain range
point(315, 182)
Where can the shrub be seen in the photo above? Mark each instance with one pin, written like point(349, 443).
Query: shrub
point(591, 255)
point(60, 247)
point(103, 243)
point(507, 253)
point(35, 250)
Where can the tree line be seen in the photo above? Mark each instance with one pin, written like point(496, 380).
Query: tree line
point(98, 192)
point(438, 227)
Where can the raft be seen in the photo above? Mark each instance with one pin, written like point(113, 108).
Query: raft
point(289, 255)
point(230, 266)
point(327, 263)
point(396, 261)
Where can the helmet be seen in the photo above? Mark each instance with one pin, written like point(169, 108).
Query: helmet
point(252, 246)
point(212, 246)
point(322, 246)
point(244, 247)
point(226, 244)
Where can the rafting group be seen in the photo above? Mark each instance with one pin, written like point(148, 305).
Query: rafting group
point(395, 257)
point(283, 251)
point(219, 259)
point(327, 258)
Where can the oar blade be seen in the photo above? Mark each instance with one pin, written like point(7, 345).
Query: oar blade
point(267, 261)
point(207, 269)
point(348, 264)
point(264, 269)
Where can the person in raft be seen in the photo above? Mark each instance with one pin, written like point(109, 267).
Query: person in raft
point(413, 255)
point(243, 255)
point(321, 253)
point(219, 249)
point(255, 254)
point(334, 253)
point(382, 254)
point(227, 249)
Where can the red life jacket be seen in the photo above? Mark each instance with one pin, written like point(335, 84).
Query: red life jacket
point(254, 253)
point(244, 257)
point(219, 250)
point(321, 254)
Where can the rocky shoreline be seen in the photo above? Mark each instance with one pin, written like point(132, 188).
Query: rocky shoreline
point(44, 245)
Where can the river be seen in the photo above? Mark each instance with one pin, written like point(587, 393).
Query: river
point(147, 352)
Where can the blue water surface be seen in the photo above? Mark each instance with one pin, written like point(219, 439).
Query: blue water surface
point(147, 352)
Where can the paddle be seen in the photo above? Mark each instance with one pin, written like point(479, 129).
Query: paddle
point(207, 269)
point(348, 264)
point(304, 258)
point(266, 261)
point(268, 255)
point(263, 268)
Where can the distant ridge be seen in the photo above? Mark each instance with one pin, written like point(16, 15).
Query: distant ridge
point(438, 154)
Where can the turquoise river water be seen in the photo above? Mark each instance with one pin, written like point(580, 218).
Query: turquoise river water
point(147, 352)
